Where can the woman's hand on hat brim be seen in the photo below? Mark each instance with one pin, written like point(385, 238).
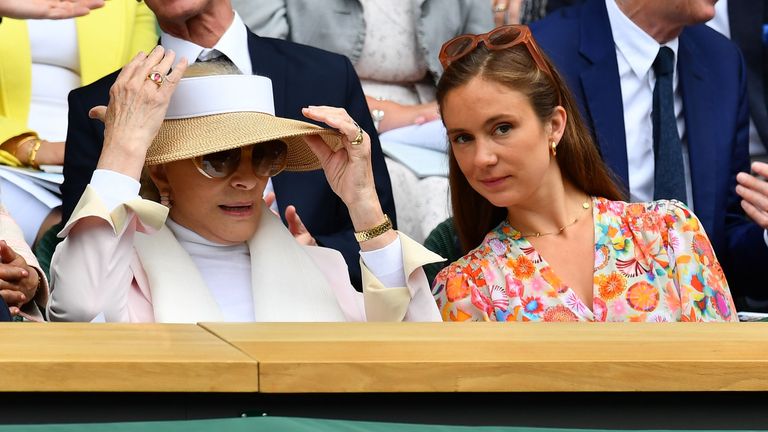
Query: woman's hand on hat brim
point(136, 109)
point(348, 170)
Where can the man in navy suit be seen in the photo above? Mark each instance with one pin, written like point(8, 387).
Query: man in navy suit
point(204, 29)
point(606, 49)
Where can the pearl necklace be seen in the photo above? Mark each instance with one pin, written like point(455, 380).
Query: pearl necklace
point(585, 205)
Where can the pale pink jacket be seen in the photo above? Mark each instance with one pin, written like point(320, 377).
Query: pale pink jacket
point(126, 266)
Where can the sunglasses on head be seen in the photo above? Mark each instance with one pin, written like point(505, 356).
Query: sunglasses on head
point(267, 159)
point(497, 39)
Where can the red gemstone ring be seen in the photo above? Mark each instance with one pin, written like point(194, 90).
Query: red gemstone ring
point(155, 77)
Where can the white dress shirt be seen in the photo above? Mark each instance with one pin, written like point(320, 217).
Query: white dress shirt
point(636, 51)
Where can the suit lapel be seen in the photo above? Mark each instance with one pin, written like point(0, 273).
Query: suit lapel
point(266, 62)
point(287, 284)
point(602, 88)
point(179, 294)
point(700, 110)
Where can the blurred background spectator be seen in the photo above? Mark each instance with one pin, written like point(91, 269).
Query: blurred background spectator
point(746, 23)
point(40, 62)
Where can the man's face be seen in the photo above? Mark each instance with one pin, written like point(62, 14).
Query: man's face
point(176, 11)
point(685, 12)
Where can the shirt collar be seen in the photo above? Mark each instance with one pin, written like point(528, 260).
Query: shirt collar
point(233, 43)
point(637, 46)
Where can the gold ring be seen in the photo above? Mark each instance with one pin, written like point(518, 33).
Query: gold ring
point(499, 7)
point(359, 138)
point(155, 77)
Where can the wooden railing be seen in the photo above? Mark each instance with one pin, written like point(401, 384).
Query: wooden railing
point(381, 358)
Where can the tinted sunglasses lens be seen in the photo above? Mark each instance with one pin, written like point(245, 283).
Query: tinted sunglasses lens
point(220, 164)
point(504, 35)
point(269, 158)
point(458, 47)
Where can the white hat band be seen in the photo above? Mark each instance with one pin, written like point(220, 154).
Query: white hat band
point(217, 94)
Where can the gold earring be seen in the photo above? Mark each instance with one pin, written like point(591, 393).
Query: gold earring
point(165, 200)
point(553, 148)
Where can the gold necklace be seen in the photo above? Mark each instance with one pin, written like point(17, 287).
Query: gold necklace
point(585, 205)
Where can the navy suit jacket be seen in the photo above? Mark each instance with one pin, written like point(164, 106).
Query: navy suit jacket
point(712, 79)
point(301, 76)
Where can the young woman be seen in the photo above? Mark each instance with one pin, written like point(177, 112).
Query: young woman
point(546, 235)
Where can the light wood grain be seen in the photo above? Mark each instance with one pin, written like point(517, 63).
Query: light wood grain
point(489, 357)
point(120, 358)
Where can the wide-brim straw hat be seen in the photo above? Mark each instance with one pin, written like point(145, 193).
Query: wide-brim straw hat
point(221, 112)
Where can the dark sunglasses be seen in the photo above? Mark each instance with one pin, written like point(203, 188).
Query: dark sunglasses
point(497, 39)
point(267, 159)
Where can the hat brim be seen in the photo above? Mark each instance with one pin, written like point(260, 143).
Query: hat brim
point(187, 138)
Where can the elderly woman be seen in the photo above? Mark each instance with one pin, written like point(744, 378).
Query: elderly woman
point(222, 255)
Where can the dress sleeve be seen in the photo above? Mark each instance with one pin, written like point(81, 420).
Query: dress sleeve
point(460, 296)
point(704, 292)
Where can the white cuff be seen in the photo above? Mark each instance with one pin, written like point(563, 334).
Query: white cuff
point(765, 236)
point(114, 188)
point(386, 264)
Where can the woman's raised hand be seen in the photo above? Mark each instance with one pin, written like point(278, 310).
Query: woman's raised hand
point(349, 170)
point(47, 9)
point(138, 101)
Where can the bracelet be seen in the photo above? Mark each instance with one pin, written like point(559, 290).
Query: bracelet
point(377, 114)
point(374, 232)
point(13, 145)
point(33, 153)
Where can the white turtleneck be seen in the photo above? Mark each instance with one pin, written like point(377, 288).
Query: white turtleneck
point(226, 271)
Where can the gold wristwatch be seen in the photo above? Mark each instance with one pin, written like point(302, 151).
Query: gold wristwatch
point(374, 232)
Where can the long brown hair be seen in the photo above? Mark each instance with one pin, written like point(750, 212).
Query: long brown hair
point(577, 156)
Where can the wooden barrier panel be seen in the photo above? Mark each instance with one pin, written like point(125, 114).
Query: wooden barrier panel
point(77, 357)
point(503, 357)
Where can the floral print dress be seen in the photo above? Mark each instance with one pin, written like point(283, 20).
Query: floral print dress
point(653, 262)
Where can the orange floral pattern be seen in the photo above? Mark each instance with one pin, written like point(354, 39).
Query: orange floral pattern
point(653, 263)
